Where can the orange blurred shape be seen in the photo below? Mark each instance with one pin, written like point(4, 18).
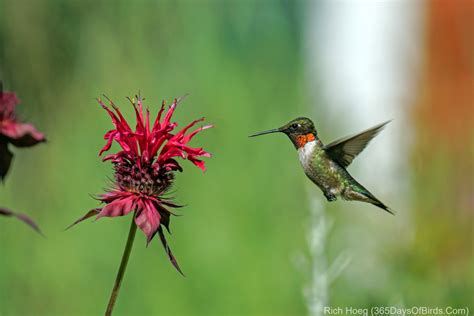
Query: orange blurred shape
point(447, 98)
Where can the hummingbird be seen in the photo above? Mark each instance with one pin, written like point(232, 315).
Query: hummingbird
point(325, 165)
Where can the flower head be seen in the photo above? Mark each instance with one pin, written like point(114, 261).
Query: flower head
point(145, 166)
point(12, 131)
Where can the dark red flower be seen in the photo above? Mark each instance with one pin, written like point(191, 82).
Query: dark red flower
point(145, 167)
point(17, 134)
point(12, 131)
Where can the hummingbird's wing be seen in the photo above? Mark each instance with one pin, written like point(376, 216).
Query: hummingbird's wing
point(344, 150)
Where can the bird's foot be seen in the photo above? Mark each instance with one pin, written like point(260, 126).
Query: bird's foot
point(330, 197)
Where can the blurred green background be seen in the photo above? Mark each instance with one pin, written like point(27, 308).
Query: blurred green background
point(243, 239)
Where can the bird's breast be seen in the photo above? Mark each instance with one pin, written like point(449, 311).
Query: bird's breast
point(306, 154)
point(322, 171)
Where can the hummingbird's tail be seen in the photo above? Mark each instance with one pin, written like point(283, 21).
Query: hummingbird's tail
point(377, 203)
point(359, 193)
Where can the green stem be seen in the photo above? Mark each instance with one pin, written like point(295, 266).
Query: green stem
point(123, 266)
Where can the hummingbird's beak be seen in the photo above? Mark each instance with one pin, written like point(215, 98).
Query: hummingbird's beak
point(275, 130)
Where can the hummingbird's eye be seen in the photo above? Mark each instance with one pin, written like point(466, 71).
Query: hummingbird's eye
point(294, 126)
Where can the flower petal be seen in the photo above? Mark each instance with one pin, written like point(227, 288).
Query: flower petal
point(169, 113)
point(84, 217)
point(109, 136)
point(199, 163)
point(22, 217)
point(188, 137)
point(21, 135)
point(157, 123)
point(148, 220)
point(118, 207)
point(8, 102)
point(168, 251)
point(165, 221)
point(113, 195)
point(181, 133)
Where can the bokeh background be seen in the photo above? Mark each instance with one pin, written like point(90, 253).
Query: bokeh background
point(256, 238)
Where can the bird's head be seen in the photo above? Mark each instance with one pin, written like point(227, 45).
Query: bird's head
point(300, 131)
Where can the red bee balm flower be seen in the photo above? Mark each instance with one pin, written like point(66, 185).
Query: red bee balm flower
point(144, 172)
point(12, 131)
point(144, 168)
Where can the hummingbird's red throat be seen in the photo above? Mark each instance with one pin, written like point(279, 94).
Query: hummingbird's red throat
point(301, 140)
